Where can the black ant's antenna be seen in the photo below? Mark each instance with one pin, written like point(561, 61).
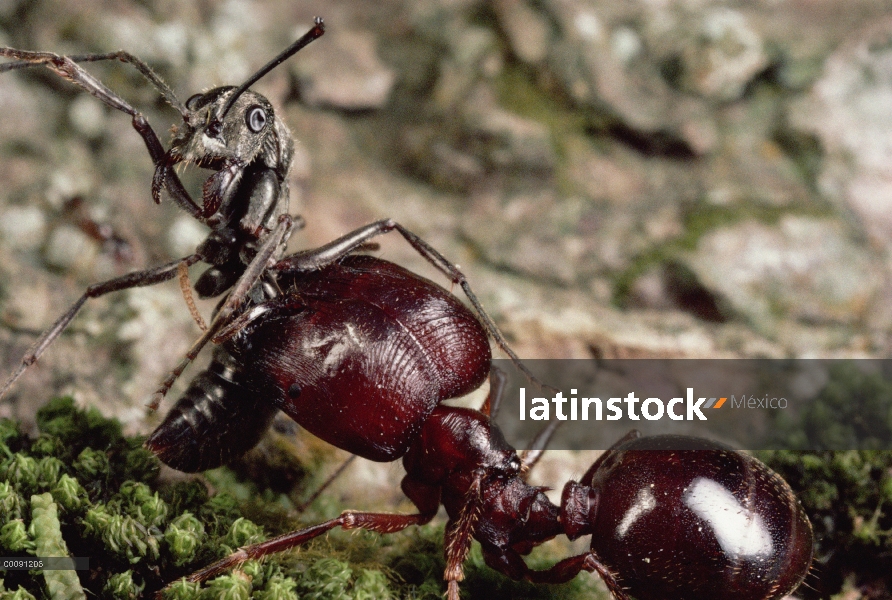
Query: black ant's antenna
point(316, 32)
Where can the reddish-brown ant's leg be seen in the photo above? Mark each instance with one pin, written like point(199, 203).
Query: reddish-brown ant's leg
point(377, 522)
point(131, 280)
point(460, 533)
point(568, 568)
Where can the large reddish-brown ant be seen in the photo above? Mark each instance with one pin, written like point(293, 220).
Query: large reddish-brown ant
point(669, 517)
point(361, 352)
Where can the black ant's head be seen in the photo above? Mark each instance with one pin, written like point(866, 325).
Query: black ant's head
point(232, 124)
point(226, 129)
point(209, 136)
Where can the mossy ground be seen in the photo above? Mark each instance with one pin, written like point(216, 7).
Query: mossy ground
point(847, 494)
point(140, 534)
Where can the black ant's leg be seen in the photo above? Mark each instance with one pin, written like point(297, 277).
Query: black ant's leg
point(497, 382)
point(331, 479)
point(131, 280)
point(538, 444)
point(313, 260)
point(267, 254)
point(378, 522)
point(537, 447)
point(531, 456)
point(121, 55)
point(67, 68)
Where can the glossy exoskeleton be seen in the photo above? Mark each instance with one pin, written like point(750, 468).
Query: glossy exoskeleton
point(359, 353)
point(688, 518)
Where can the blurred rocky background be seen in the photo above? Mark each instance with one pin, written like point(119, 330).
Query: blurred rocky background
point(687, 178)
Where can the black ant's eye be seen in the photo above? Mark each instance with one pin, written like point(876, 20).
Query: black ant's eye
point(255, 118)
point(192, 102)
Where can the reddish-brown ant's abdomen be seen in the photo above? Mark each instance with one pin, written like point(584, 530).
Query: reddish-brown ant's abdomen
point(372, 352)
point(699, 523)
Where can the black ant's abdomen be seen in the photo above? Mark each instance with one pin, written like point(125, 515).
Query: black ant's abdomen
point(215, 422)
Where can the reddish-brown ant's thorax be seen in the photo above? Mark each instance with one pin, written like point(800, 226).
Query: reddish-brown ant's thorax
point(368, 354)
point(457, 445)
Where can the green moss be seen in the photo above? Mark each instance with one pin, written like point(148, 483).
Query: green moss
point(17, 594)
point(326, 579)
point(183, 537)
point(121, 586)
point(278, 588)
point(14, 537)
point(106, 505)
point(75, 428)
point(47, 534)
point(92, 465)
point(141, 535)
point(231, 586)
point(10, 438)
point(70, 495)
point(847, 494)
point(852, 411)
point(10, 502)
point(20, 471)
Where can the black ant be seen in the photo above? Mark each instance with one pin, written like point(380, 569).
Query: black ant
point(234, 132)
point(361, 352)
